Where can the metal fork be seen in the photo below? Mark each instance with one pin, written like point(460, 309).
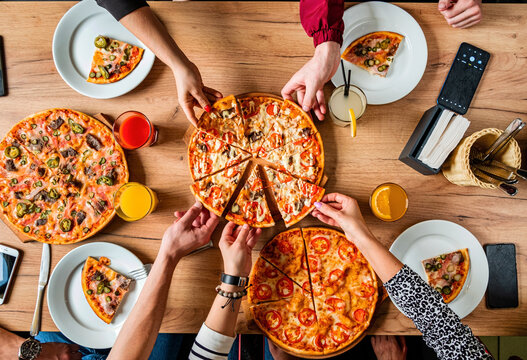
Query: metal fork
point(140, 273)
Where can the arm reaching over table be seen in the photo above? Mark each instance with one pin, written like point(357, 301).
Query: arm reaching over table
point(189, 231)
point(137, 17)
point(461, 13)
point(441, 327)
point(322, 20)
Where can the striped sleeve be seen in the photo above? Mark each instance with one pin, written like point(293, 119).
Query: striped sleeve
point(210, 345)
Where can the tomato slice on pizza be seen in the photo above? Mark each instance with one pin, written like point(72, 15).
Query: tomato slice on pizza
point(103, 287)
point(374, 52)
point(215, 191)
point(250, 207)
point(295, 198)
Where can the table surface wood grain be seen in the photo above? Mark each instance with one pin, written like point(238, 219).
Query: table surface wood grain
point(257, 46)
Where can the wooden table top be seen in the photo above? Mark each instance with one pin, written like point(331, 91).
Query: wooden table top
point(257, 46)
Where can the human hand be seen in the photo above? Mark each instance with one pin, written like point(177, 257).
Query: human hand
point(343, 211)
point(191, 91)
point(388, 348)
point(190, 230)
point(461, 13)
point(308, 82)
point(59, 351)
point(236, 245)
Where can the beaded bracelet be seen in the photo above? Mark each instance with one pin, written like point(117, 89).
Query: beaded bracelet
point(231, 296)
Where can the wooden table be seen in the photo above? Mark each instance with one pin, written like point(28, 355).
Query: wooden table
point(257, 46)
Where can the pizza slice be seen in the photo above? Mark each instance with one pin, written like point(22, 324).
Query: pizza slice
point(17, 162)
point(303, 158)
point(225, 122)
point(374, 52)
point(207, 155)
point(447, 273)
point(216, 190)
point(295, 198)
point(291, 125)
point(103, 287)
point(268, 283)
point(259, 112)
point(290, 323)
point(286, 251)
point(113, 60)
point(251, 206)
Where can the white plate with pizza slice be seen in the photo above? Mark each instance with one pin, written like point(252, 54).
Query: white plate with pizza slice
point(73, 49)
point(409, 62)
point(432, 238)
point(67, 303)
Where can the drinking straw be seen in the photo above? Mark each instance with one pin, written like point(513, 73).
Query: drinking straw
point(346, 86)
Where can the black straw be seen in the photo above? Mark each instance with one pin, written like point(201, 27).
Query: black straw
point(343, 74)
point(347, 87)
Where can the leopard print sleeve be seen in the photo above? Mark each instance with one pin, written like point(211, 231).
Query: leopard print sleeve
point(441, 327)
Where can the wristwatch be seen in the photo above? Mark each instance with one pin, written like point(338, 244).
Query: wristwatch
point(234, 280)
point(30, 349)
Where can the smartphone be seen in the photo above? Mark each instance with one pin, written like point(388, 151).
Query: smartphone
point(502, 291)
point(3, 81)
point(8, 261)
point(463, 78)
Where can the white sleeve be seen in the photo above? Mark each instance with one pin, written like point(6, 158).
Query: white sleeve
point(210, 345)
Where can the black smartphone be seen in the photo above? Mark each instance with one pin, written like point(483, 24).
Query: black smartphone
point(463, 78)
point(3, 81)
point(502, 291)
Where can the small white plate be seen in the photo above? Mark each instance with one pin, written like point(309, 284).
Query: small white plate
point(68, 306)
point(409, 63)
point(435, 237)
point(73, 50)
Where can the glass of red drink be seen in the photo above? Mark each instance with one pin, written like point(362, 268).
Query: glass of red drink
point(133, 130)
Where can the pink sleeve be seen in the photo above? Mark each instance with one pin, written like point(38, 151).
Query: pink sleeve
point(322, 20)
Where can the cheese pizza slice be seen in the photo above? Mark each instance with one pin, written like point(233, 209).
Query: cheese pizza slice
point(295, 198)
point(215, 191)
point(225, 121)
point(113, 60)
point(251, 206)
point(259, 112)
point(207, 155)
point(103, 287)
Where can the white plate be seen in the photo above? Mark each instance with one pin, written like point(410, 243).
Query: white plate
point(73, 50)
point(68, 306)
point(435, 237)
point(409, 63)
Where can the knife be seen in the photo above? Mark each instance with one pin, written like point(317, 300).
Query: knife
point(42, 282)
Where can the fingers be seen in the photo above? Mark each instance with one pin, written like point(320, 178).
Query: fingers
point(217, 95)
point(335, 197)
point(189, 113)
point(443, 5)
point(241, 238)
point(457, 9)
point(310, 98)
point(289, 88)
point(324, 218)
point(327, 210)
point(468, 22)
point(300, 96)
point(402, 341)
point(188, 218)
point(228, 230)
point(253, 238)
point(201, 98)
point(321, 102)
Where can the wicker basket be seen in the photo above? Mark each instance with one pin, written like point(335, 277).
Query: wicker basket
point(457, 166)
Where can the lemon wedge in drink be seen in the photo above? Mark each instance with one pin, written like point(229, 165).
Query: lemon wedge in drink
point(353, 123)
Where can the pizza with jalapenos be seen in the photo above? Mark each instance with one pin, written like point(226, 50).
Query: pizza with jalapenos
point(59, 171)
point(330, 311)
point(374, 52)
point(447, 273)
point(113, 60)
point(103, 287)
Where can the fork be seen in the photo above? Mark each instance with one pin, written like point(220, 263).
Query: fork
point(140, 273)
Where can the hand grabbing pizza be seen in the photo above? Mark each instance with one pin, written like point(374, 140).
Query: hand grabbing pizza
point(461, 13)
point(236, 245)
point(343, 211)
point(308, 82)
point(190, 230)
point(191, 91)
point(389, 347)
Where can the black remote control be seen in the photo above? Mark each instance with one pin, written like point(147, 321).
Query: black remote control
point(3, 83)
point(463, 78)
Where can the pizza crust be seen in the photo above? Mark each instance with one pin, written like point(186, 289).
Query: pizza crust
point(461, 282)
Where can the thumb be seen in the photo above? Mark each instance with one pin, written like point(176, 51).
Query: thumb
point(201, 99)
point(191, 214)
point(327, 210)
point(443, 5)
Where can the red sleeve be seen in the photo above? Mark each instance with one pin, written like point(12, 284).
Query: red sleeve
point(322, 20)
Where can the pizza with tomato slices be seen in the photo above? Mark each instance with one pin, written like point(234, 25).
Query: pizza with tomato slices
point(280, 136)
point(328, 312)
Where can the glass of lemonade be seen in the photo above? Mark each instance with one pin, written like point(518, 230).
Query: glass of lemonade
point(389, 202)
point(134, 201)
point(339, 104)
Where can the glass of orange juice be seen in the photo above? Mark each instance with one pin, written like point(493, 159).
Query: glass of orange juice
point(389, 202)
point(134, 201)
